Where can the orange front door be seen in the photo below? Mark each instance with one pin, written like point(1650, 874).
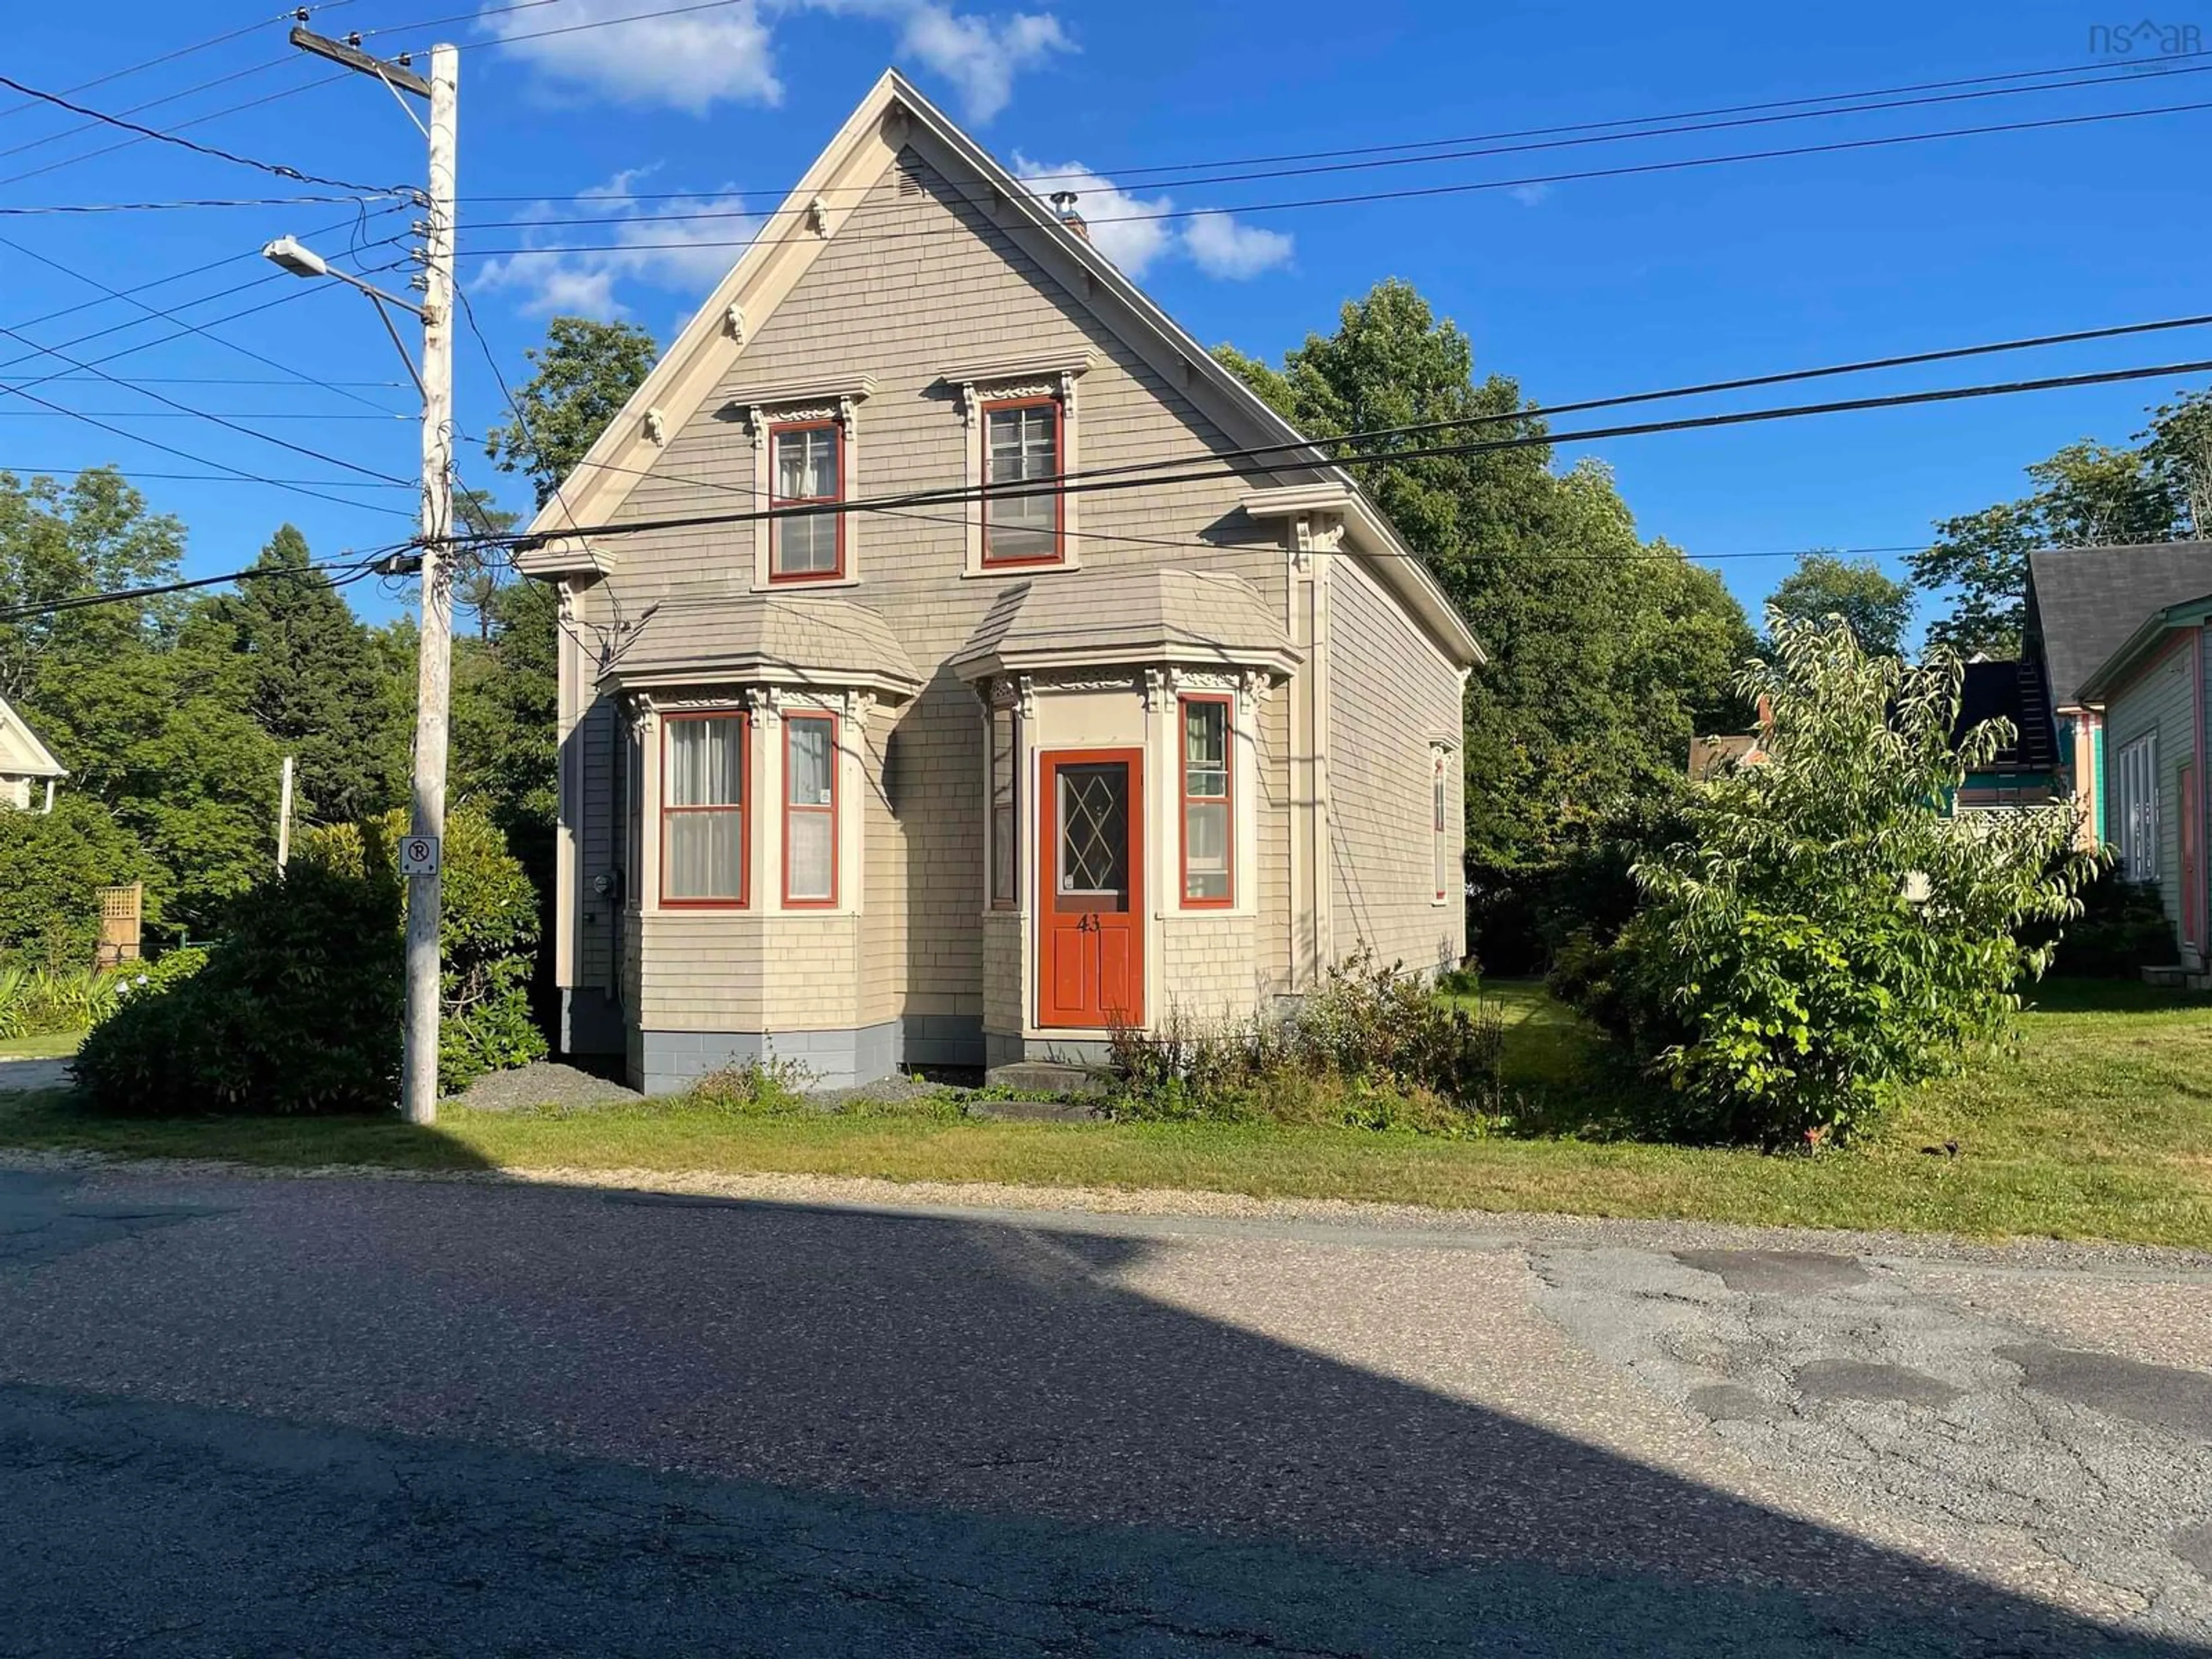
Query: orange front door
point(1090, 948)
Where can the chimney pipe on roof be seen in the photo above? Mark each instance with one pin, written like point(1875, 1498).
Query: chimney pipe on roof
point(1063, 204)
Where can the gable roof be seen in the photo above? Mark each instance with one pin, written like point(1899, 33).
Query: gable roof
point(2085, 603)
point(1137, 614)
point(893, 116)
point(21, 754)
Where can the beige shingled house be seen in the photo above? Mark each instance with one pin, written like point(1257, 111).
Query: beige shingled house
point(969, 781)
point(28, 771)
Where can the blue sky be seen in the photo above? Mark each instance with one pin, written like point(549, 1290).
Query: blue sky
point(1579, 288)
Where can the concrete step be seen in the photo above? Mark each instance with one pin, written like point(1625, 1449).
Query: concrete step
point(1045, 1077)
point(2172, 977)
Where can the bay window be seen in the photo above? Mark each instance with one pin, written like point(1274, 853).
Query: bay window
point(807, 468)
point(702, 810)
point(1208, 823)
point(1021, 445)
point(810, 810)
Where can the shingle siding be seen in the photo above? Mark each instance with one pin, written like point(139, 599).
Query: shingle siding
point(1390, 696)
point(918, 279)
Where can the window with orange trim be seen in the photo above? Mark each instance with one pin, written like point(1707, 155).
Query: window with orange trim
point(810, 810)
point(1208, 817)
point(806, 467)
point(702, 810)
point(1022, 445)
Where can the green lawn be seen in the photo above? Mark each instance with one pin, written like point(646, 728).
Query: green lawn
point(2099, 1128)
point(59, 1045)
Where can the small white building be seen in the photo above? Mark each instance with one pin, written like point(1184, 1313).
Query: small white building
point(29, 770)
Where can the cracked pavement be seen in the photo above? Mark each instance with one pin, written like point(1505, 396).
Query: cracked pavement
point(348, 1415)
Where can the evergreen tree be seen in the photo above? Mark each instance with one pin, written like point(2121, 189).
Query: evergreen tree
point(315, 686)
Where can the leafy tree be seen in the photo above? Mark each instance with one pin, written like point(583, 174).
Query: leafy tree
point(586, 372)
point(315, 683)
point(2087, 494)
point(1825, 935)
point(56, 863)
point(57, 542)
point(1877, 607)
point(1605, 651)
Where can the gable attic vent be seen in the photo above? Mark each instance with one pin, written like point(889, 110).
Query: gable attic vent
point(908, 182)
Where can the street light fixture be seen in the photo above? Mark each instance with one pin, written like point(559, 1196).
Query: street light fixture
point(291, 254)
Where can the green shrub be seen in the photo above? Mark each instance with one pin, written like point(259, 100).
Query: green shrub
point(297, 1012)
point(488, 933)
point(759, 1088)
point(35, 1000)
point(2122, 930)
point(1825, 934)
point(1370, 1047)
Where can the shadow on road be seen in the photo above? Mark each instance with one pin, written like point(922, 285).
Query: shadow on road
point(896, 1435)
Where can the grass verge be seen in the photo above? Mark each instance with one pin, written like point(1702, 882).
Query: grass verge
point(2097, 1127)
point(56, 1045)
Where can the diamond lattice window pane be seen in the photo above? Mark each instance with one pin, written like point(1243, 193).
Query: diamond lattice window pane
point(1094, 829)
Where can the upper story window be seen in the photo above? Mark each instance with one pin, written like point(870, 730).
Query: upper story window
point(810, 810)
point(702, 810)
point(1208, 823)
point(1022, 445)
point(807, 467)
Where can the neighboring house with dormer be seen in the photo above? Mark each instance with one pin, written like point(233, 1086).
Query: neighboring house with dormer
point(974, 780)
point(29, 773)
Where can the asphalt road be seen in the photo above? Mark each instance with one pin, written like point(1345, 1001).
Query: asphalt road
point(338, 1416)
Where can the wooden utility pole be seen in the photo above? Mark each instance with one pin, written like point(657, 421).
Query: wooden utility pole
point(420, 853)
point(433, 680)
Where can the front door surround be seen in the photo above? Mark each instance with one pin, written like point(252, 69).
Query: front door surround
point(1090, 918)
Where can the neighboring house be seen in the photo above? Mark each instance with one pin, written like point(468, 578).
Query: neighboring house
point(2119, 631)
point(1710, 756)
point(971, 783)
point(2025, 773)
point(28, 772)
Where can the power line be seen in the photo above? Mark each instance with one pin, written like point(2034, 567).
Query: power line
point(171, 57)
point(1453, 154)
point(223, 380)
point(1073, 485)
point(203, 330)
point(59, 134)
point(164, 398)
point(60, 209)
point(1130, 170)
point(1304, 453)
point(197, 120)
point(274, 168)
point(134, 476)
point(202, 415)
point(1423, 191)
point(126, 595)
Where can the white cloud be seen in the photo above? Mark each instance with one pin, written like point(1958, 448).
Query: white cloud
point(1134, 233)
point(980, 56)
point(651, 243)
point(1119, 229)
point(690, 62)
point(696, 60)
point(1224, 248)
point(1529, 195)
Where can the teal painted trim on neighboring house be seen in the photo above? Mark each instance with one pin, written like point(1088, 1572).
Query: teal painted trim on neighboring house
point(2097, 813)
